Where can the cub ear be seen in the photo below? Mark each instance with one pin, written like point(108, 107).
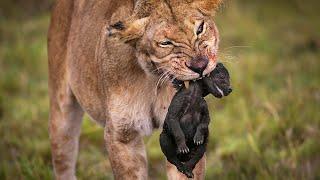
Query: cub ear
point(129, 30)
point(207, 7)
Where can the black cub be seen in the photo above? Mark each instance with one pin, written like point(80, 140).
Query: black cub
point(185, 130)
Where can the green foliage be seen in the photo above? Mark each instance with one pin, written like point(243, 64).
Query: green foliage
point(268, 128)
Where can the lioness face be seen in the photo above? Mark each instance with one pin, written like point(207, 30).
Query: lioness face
point(184, 51)
point(178, 42)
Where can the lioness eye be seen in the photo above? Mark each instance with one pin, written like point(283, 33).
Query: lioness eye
point(165, 43)
point(200, 28)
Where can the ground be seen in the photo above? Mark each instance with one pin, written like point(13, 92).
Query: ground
point(268, 128)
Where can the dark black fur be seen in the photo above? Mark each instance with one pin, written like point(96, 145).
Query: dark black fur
point(185, 130)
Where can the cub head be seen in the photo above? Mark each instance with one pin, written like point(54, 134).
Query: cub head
point(176, 40)
point(217, 82)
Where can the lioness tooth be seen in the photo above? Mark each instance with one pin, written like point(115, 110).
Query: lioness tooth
point(186, 84)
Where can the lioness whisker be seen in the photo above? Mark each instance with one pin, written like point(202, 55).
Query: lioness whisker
point(228, 57)
point(164, 77)
point(167, 77)
point(236, 47)
point(161, 76)
point(158, 68)
point(158, 84)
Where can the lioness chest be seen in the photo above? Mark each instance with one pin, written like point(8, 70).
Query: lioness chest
point(141, 109)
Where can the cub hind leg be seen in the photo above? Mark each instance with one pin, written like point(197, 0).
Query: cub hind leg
point(169, 149)
point(197, 155)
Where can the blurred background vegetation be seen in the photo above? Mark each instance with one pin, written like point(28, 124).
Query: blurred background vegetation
point(269, 128)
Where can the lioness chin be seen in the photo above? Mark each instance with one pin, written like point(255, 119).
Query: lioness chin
point(116, 61)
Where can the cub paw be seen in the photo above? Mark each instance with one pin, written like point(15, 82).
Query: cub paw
point(183, 148)
point(189, 174)
point(186, 171)
point(198, 139)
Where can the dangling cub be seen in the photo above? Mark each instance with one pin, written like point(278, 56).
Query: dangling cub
point(185, 130)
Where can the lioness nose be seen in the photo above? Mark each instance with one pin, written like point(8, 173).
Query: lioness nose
point(198, 64)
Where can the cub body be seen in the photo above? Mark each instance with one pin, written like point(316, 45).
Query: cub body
point(185, 130)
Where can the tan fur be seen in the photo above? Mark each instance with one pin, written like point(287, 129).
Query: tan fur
point(116, 82)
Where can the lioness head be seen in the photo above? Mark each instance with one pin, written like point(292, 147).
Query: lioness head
point(176, 39)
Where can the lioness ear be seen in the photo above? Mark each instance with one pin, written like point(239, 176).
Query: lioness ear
point(129, 30)
point(207, 7)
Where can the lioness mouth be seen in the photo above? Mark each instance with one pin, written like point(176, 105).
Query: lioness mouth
point(178, 83)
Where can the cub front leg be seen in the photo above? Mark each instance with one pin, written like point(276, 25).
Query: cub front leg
point(126, 151)
point(202, 132)
point(202, 129)
point(173, 126)
point(172, 121)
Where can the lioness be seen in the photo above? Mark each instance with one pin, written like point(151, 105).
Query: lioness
point(116, 60)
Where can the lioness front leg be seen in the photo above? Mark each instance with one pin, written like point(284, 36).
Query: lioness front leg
point(126, 153)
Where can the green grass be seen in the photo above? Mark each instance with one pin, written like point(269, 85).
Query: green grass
point(268, 128)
